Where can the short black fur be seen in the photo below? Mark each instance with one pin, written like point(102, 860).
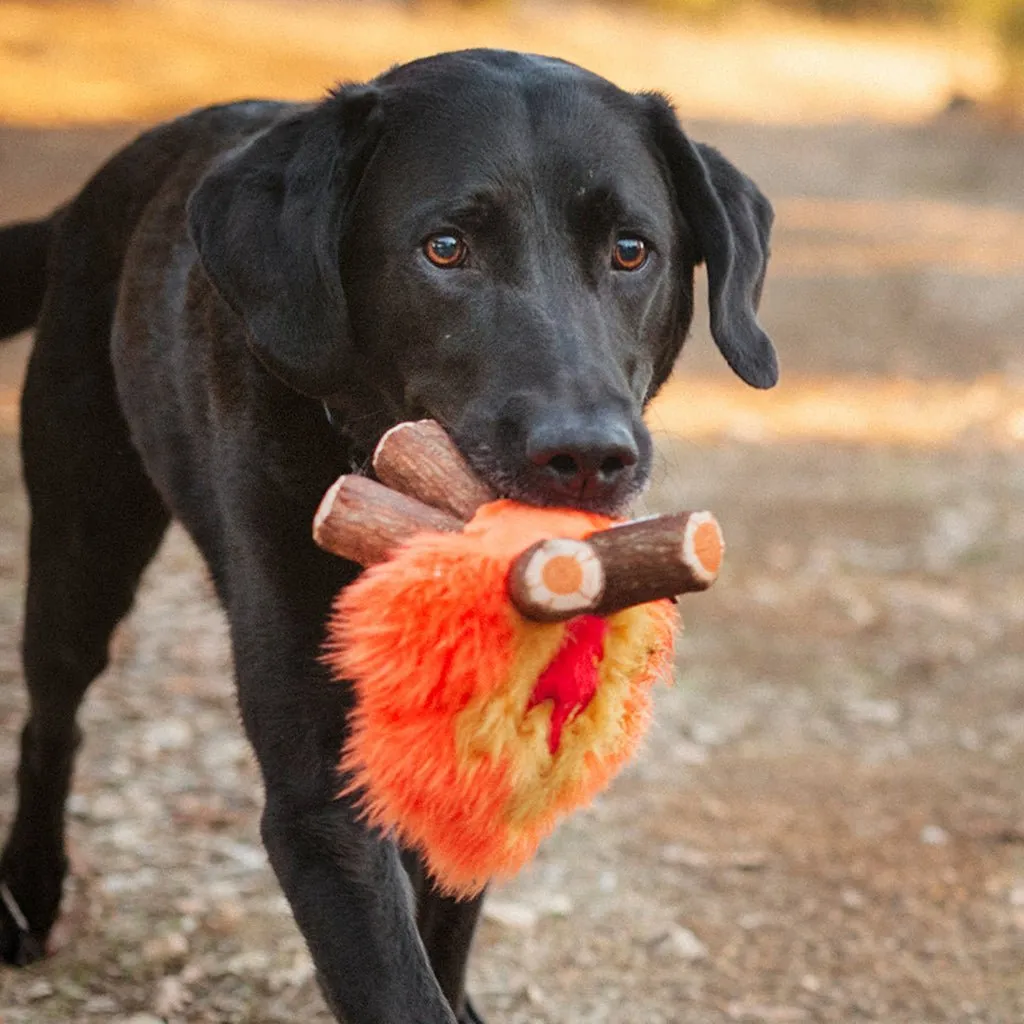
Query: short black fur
point(230, 314)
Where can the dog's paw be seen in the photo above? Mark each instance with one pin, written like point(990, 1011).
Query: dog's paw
point(469, 1015)
point(19, 947)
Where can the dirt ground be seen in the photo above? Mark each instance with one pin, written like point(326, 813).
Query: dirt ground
point(827, 823)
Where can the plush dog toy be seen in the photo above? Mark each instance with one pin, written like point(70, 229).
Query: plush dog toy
point(502, 655)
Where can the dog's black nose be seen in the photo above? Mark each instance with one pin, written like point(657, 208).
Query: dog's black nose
point(584, 461)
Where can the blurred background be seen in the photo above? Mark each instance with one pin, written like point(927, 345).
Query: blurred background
point(827, 824)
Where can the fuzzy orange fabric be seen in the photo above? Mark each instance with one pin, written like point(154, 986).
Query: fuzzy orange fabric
point(475, 730)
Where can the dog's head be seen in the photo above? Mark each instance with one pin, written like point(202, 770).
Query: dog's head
point(503, 242)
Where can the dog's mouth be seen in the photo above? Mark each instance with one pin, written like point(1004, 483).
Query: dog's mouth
point(581, 500)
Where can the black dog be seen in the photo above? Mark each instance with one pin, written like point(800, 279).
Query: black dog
point(232, 312)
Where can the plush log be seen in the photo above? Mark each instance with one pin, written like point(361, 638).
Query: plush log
point(421, 460)
point(554, 580)
point(640, 561)
point(364, 521)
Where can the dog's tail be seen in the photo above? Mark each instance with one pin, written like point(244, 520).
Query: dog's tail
point(24, 252)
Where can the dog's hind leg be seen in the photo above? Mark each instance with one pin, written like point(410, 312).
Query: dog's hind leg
point(96, 523)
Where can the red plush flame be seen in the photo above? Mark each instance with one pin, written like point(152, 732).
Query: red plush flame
point(570, 680)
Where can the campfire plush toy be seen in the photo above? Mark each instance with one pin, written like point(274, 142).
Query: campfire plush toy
point(502, 655)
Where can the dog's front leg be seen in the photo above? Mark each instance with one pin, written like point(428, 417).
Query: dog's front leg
point(348, 891)
point(352, 902)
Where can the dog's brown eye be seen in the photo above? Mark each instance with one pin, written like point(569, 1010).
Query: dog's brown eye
point(445, 250)
point(629, 254)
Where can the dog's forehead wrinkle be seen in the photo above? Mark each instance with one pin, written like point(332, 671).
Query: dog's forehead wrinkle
point(555, 115)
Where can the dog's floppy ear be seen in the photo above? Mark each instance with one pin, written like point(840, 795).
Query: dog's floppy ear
point(267, 223)
point(731, 221)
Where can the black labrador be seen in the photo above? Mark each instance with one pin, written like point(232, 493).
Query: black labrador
point(231, 313)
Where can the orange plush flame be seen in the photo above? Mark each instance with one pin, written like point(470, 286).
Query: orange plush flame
point(474, 729)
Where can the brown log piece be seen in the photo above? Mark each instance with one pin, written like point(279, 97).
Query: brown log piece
point(363, 521)
point(639, 561)
point(421, 460)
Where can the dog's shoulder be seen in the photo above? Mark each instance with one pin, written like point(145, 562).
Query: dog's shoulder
point(196, 138)
point(149, 180)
